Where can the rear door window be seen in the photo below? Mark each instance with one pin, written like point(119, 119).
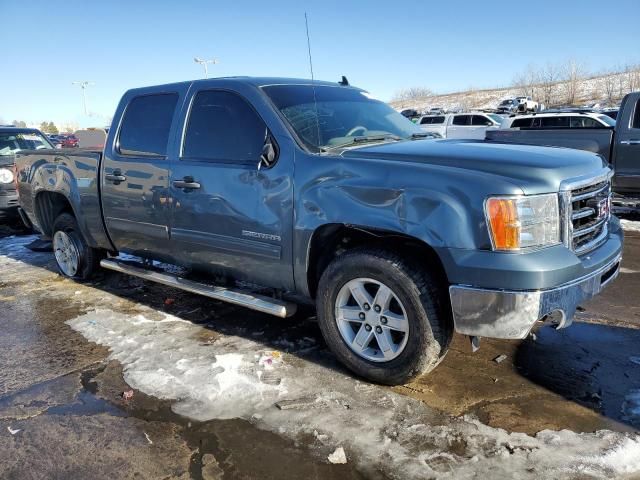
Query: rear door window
point(146, 124)
point(426, 121)
point(584, 122)
point(480, 120)
point(555, 122)
point(461, 120)
point(223, 127)
point(521, 123)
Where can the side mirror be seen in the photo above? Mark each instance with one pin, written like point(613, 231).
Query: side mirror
point(269, 155)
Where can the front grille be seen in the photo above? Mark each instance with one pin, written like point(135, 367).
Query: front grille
point(589, 210)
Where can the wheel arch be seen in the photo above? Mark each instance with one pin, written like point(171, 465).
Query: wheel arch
point(330, 240)
point(48, 206)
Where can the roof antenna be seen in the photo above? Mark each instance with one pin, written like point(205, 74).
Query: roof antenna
point(344, 82)
point(313, 86)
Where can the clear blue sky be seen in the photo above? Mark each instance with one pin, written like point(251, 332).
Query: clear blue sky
point(382, 46)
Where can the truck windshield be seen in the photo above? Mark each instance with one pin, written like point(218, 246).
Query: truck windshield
point(10, 143)
point(345, 116)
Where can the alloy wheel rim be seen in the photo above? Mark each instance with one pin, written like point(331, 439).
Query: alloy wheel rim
point(371, 320)
point(66, 253)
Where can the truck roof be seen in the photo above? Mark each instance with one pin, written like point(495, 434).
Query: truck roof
point(256, 81)
point(19, 130)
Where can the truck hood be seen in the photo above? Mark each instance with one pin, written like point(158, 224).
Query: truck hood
point(533, 169)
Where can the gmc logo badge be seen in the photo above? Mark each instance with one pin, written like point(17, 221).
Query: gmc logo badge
point(604, 208)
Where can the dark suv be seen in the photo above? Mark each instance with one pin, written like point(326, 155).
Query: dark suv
point(13, 139)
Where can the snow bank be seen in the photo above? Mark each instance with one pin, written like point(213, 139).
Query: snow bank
point(378, 429)
point(630, 225)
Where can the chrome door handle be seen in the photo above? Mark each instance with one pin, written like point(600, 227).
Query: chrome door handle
point(630, 142)
point(115, 177)
point(187, 183)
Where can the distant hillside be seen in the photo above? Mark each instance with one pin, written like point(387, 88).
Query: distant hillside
point(604, 90)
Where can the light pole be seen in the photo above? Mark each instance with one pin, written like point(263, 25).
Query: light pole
point(83, 85)
point(204, 63)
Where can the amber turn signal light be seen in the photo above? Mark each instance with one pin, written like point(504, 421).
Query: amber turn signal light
point(502, 215)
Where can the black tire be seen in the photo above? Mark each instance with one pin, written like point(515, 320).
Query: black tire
point(88, 257)
point(424, 300)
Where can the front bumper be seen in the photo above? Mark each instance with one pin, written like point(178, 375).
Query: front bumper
point(8, 204)
point(512, 314)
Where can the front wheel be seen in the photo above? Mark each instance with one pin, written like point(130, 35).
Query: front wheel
point(75, 259)
point(386, 321)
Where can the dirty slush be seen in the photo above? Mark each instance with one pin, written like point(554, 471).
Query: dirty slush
point(109, 378)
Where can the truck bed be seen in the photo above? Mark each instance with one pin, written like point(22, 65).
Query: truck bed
point(73, 172)
point(596, 140)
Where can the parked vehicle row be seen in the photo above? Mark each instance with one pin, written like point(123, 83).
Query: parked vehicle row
point(398, 240)
point(466, 125)
point(65, 140)
point(618, 142)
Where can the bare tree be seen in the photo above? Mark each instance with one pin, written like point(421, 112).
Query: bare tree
point(573, 73)
point(621, 83)
point(548, 78)
point(632, 77)
point(610, 86)
point(412, 94)
point(526, 82)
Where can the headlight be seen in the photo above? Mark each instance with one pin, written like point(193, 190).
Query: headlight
point(523, 222)
point(6, 175)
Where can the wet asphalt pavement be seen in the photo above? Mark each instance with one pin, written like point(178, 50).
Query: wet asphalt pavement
point(222, 392)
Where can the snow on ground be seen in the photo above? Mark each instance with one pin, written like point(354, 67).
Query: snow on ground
point(378, 429)
point(590, 91)
point(630, 225)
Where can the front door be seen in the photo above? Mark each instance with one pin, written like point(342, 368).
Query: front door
point(135, 176)
point(231, 216)
point(627, 150)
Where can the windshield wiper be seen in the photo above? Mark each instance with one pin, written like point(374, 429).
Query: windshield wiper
point(364, 139)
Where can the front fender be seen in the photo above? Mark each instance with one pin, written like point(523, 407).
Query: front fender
point(440, 206)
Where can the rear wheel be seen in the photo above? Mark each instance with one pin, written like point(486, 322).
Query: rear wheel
point(383, 319)
point(75, 259)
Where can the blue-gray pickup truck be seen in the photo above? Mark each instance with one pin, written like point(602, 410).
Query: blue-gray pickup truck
point(291, 191)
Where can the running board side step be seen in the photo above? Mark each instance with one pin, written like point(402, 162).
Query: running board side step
point(255, 302)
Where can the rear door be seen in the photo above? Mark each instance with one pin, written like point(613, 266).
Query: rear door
point(627, 148)
point(135, 174)
point(460, 126)
point(230, 216)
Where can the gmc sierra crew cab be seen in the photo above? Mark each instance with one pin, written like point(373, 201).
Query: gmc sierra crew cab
point(618, 142)
point(291, 191)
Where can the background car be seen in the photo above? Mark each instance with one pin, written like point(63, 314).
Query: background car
point(12, 140)
point(611, 112)
point(56, 140)
point(69, 141)
point(567, 119)
point(411, 113)
point(508, 105)
point(471, 125)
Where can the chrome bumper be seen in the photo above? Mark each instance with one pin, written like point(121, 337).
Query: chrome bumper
point(512, 314)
